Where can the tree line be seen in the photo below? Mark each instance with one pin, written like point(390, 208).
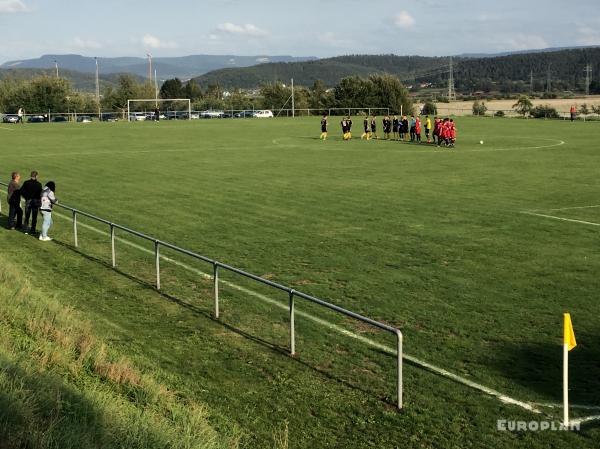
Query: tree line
point(44, 94)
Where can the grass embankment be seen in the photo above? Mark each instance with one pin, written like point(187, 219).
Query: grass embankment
point(63, 387)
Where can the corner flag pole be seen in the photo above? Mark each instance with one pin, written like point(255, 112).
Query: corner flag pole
point(568, 344)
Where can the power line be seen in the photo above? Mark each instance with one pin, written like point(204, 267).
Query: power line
point(451, 91)
point(531, 82)
point(588, 78)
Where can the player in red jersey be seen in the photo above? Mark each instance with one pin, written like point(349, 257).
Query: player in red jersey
point(452, 132)
point(444, 132)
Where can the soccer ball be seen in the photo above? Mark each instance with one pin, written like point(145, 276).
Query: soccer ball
point(481, 142)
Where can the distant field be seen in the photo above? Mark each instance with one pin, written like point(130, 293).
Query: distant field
point(465, 250)
point(562, 105)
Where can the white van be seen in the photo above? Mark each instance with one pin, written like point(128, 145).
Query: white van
point(263, 114)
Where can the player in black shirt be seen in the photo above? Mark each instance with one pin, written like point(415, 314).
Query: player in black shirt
point(366, 134)
point(344, 126)
point(374, 127)
point(324, 127)
point(405, 127)
point(395, 127)
point(387, 127)
point(348, 128)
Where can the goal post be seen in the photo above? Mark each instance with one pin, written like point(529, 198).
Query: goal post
point(155, 103)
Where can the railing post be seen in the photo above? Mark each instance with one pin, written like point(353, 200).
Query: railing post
point(399, 368)
point(216, 288)
point(75, 229)
point(292, 325)
point(157, 259)
point(112, 245)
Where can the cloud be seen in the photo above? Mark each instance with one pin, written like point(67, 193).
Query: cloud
point(85, 44)
point(154, 42)
point(247, 29)
point(404, 20)
point(588, 36)
point(520, 41)
point(331, 39)
point(12, 6)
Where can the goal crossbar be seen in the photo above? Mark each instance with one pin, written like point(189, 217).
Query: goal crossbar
point(156, 101)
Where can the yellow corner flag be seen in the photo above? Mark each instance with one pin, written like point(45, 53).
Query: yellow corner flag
point(569, 335)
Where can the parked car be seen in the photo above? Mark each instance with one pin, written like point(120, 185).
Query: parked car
point(109, 117)
point(212, 114)
point(84, 119)
point(137, 117)
point(173, 115)
point(37, 119)
point(10, 118)
point(244, 114)
point(264, 114)
point(59, 119)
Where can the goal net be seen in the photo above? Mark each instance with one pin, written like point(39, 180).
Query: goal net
point(169, 109)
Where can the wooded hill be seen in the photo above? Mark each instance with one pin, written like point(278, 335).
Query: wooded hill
point(511, 73)
point(83, 82)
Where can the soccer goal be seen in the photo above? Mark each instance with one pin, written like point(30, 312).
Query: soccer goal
point(170, 109)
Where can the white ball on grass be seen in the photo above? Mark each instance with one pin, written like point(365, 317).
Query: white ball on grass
point(481, 142)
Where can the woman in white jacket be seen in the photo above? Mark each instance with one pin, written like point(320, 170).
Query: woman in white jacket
point(48, 200)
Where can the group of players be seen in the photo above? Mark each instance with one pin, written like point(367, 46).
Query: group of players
point(440, 132)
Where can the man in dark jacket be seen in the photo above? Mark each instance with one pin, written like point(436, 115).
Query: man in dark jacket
point(31, 191)
point(14, 202)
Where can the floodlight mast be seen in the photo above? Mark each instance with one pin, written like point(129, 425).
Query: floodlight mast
point(293, 102)
point(98, 90)
point(149, 66)
point(155, 89)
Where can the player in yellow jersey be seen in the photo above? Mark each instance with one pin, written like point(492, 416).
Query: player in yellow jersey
point(374, 126)
point(324, 127)
point(366, 134)
point(428, 128)
point(348, 128)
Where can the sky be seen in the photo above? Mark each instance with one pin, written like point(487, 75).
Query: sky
point(322, 28)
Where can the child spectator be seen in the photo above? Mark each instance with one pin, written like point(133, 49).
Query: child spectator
point(48, 200)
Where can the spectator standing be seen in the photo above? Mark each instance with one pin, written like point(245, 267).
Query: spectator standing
point(20, 114)
point(31, 192)
point(48, 200)
point(14, 202)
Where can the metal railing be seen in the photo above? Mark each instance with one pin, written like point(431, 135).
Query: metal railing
point(217, 266)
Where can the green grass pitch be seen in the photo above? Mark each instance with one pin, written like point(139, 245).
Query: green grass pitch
point(474, 253)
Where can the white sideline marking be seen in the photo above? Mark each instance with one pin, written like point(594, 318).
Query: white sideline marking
point(557, 405)
point(584, 420)
point(571, 220)
point(6, 129)
point(424, 147)
point(455, 377)
point(570, 208)
point(99, 153)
